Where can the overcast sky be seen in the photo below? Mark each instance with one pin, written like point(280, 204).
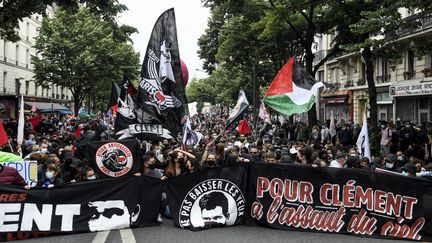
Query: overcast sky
point(191, 18)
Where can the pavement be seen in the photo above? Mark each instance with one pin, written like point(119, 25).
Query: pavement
point(167, 232)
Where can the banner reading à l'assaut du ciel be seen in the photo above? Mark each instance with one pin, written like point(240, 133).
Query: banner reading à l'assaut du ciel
point(209, 198)
point(358, 202)
point(79, 207)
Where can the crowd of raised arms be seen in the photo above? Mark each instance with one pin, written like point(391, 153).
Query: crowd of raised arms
point(63, 158)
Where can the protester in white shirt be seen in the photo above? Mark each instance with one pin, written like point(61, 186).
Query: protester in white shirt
point(340, 161)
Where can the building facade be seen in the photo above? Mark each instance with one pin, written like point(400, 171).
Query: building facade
point(403, 82)
point(16, 70)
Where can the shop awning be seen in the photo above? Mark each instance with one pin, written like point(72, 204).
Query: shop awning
point(48, 107)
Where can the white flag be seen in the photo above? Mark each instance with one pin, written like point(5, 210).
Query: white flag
point(363, 141)
point(332, 125)
point(193, 110)
point(263, 114)
point(20, 136)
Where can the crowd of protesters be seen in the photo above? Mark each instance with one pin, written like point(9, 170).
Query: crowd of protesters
point(59, 145)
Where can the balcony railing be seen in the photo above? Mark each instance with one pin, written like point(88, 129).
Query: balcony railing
point(349, 83)
point(383, 78)
point(419, 23)
point(361, 81)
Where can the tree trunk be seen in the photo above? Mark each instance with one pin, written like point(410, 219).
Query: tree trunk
point(373, 111)
point(77, 105)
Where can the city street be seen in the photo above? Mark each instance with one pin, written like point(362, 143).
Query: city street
point(167, 232)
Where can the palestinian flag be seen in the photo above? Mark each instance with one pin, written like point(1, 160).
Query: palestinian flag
point(293, 90)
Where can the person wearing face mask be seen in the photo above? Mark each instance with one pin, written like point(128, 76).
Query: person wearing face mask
point(406, 136)
point(43, 148)
point(386, 138)
point(391, 163)
point(86, 174)
point(149, 167)
point(52, 177)
point(409, 170)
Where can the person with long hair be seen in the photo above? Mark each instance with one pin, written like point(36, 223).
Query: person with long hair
point(177, 164)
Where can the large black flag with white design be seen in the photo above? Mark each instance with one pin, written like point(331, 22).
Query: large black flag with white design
point(161, 95)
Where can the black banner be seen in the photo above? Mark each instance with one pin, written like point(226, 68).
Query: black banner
point(208, 198)
point(82, 207)
point(161, 95)
point(333, 200)
point(115, 158)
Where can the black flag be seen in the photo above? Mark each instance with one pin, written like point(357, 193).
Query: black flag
point(115, 91)
point(126, 114)
point(161, 95)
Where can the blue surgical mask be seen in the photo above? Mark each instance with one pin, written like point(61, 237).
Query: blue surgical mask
point(44, 150)
point(49, 175)
point(404, 173)
point(90, 178)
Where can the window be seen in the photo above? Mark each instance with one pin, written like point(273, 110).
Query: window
point(429, 60)
point(363, 72)
point(4, 50)
point(321, 75)
point(27, 58)
point(4, 81)
point(350, 72)
point(17, 86)
point(409, 68)
point(27, 31)
point(383, 71)
point(16, 54)
point(27, 86)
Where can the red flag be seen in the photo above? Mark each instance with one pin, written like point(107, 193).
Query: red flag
point(35, 120)
point(3, 135)
point(78, 132)
point(243, 127)
point(114, 108)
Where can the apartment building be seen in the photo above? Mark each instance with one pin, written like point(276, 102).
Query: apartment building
point(403, 83)
point(16, 72)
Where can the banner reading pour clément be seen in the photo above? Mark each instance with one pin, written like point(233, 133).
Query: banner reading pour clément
point(340, 201)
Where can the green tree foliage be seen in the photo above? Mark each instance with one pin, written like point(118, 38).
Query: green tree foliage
point(12, 11)
point(80, 51)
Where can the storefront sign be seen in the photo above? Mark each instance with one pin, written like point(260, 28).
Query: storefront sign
point(411, 89)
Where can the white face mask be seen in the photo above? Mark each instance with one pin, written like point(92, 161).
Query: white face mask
point(389, 165)
point(404, 173)
point(49, 175)
point(90, 178)
point(44, 150)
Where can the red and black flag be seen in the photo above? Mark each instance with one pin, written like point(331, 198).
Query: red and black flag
point(161, 95)
point(115, 92)
point(126, 114)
